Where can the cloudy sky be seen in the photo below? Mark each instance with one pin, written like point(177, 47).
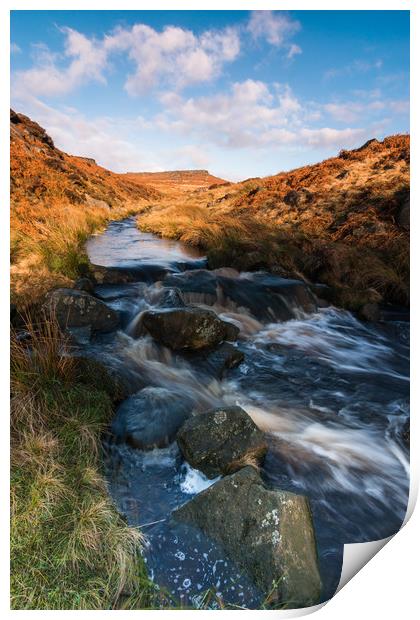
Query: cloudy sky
point(240, 93)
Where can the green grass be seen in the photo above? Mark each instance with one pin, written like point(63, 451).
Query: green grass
point(69, 547)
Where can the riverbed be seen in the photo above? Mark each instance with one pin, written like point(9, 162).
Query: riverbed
point(330, 392)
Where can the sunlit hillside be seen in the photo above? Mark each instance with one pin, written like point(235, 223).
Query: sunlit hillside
point(57, 200)
point(343, 222)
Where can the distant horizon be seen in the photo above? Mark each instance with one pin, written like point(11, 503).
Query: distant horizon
point(222, 176)
point(240, 93)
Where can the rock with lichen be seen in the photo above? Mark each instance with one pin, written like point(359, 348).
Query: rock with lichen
point(268, 533)
point(221, 441)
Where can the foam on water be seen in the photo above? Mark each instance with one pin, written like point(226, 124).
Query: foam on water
point(193, 481)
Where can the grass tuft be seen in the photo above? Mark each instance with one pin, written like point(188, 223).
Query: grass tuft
point(69, 547)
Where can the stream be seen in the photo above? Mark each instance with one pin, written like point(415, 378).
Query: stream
point(330, 392)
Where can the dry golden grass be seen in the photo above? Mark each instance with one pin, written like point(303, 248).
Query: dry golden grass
point(57, 201)
point(337, 222)
point(69, 547)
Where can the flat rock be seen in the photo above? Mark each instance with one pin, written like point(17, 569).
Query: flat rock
point(115, 378)
point(268, 533)
point(221, 441)
point(266, 296)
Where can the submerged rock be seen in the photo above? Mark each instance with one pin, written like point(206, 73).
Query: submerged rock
point(85, 284)
point(118, 383)
point(150, 418)
point(197, 286)
point(171, 298)
point(188, 328)
point(221, 441)
point(268, 533)
point(370, 312)
point(217, 361)
point(405, 433)
point(268, 297)
point(74, 308)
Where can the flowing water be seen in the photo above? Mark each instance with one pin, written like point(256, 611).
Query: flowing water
point(330, 392)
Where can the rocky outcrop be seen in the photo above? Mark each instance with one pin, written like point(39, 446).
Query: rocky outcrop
point(75, 308)
point(221, 441)
point(268, 533)
point(150, 418)
point(188, 328)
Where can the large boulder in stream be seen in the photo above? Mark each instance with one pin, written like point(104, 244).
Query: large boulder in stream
point(122, 275)
point(151, 418)
point(221, 441)
point(268, 533)
point(188, 328)
point(75, 308)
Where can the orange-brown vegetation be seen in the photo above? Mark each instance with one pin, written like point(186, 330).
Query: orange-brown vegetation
point(177, 180)
point(343, 222)
point(57, 200)
point(69, 547)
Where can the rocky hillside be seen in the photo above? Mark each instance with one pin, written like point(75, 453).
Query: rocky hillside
point(343, 222)
point(184, 180)
point(41, 173)
point(57, 200)
point(360, 197)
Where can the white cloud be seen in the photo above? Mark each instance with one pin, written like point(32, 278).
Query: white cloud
point(252, 115)
point(328, 136)
point(105, 139)
point(87, 62)
point(275, 27)
point(400, 107)
point(191, 156)
point(174, 56)
point(14, 48)
point(294, 50)
point(352, 111)
point(357, 66)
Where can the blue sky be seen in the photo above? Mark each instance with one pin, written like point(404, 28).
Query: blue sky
point(240, 93)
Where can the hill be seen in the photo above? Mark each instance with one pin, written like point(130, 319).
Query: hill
point(57, 200)
point(343, 222)
point(41, 172)
point(184, 180)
